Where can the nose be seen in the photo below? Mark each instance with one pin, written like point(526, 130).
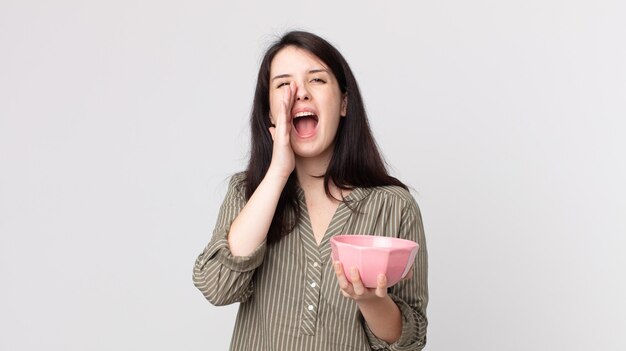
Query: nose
point(302, 93)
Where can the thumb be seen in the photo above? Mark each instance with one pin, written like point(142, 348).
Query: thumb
point(272, 132)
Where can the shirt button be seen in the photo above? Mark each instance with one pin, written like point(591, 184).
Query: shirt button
point(313, 285)
point(315, 264)
point(310, 307)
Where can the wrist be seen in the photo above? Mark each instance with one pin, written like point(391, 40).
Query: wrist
point(276, 174)
point(383, 317)
point(374, 302)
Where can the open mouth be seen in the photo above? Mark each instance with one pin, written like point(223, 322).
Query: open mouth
point(305, 123)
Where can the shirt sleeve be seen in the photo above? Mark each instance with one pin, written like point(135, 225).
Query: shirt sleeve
point(221, 277)
point(410, 295)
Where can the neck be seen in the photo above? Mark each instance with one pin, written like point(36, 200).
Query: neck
point(308, 168)
point(311, 174)
point(311, 171)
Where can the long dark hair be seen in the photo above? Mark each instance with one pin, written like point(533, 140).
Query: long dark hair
point(356, 161)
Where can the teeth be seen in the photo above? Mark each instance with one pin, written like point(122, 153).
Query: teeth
point(302, 114)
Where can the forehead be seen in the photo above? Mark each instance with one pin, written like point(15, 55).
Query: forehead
point(291, 59)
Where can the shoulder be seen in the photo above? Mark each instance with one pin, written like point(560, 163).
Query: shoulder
point(237, 183)
point(393, 192)
point(238, 178)
point(397, 195)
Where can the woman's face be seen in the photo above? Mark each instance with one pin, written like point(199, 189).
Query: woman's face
point(318, 103)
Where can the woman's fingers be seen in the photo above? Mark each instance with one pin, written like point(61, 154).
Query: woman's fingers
point(341, 277)
point(352, 286)
point(357, 284)
point(288, 98)
point(284, 118)
point(273, 132)
point(283, 158)
point(381, 286)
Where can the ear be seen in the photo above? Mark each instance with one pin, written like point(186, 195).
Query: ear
point(272, 122)
point(344, 105)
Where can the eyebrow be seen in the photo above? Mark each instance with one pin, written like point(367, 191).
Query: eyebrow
point(317, 70)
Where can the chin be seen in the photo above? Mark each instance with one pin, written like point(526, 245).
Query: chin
point(312, 152)
point(306, 154)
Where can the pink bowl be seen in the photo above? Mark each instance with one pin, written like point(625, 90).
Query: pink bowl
point(373, 255)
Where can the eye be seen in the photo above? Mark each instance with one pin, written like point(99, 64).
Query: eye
point(318, 80)
point(281, 84)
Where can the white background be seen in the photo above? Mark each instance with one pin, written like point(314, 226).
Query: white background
point(121, 121)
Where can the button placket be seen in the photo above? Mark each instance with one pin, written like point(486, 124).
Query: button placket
point(311, 302)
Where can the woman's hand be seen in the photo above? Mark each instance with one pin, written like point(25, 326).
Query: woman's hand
point(283, 159)
point(355, 289)
point(381, 314)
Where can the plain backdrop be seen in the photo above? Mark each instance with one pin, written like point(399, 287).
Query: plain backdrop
point(121, 121)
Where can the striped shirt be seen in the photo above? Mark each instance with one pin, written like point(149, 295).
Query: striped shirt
point(289, 295)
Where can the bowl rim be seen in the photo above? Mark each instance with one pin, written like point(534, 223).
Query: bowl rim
point(337, 241)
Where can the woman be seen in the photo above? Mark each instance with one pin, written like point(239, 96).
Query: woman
point(314, 172)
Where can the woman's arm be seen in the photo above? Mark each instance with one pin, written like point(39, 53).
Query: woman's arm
point(250, 228)
point(224, 270)
point(221, 277)
point(381, 314)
